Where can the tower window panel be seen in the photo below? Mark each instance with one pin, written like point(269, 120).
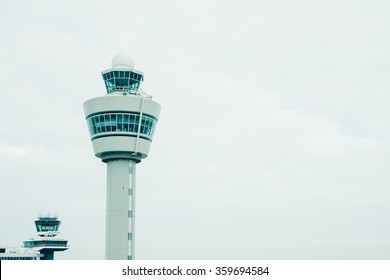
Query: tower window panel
point(143, 129)
point(113, 122)
point(122, 83)
point(116, 74)
point(127, 74)
point(96, 120)
point(134, 84)
point(122, 74)
point(125, 122)
point(119, 119)
point(132, 81)
point(153, 127)
point(113, 119)
point(110, 85)
point(107, 123)
point(89, 126)
point(147, 129)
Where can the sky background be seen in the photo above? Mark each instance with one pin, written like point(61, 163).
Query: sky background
point(272, 143)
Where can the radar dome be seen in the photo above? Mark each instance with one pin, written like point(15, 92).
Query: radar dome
point(122, 59)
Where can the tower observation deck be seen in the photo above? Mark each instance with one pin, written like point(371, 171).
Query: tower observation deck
point(121, 126)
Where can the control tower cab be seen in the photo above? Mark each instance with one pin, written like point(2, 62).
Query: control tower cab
point(122, 123)
point(48, 240)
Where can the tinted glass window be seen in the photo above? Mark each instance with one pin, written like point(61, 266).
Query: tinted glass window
point(119, 122)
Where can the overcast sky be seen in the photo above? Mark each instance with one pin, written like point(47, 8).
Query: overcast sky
point(272, 143)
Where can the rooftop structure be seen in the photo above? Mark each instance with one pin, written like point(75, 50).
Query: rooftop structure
point(7, 253)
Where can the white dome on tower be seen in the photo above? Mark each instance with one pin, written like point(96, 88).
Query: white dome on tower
point(122, 59)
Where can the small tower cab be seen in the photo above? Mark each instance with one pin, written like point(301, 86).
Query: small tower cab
point(122, 77)
point(47, 241)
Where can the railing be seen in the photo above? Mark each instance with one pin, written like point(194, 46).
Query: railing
point(44, 244)
point(126, 91)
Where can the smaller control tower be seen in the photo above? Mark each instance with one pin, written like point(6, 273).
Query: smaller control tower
point(47, 241)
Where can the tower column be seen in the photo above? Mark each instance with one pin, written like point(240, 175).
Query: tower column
point(120, 209)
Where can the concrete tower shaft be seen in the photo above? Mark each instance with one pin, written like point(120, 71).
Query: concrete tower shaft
point(120, 234)
point(121, 126)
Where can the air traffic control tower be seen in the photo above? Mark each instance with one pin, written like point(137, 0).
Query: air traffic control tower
point(47, 241)
point(121, 125)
